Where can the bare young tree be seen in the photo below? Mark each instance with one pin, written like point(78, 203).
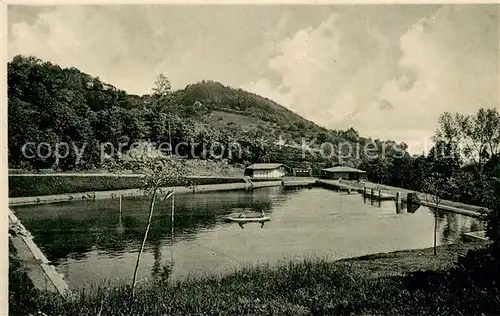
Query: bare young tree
point(158, 173)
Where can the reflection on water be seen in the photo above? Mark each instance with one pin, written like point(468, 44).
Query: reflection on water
point(91, 241)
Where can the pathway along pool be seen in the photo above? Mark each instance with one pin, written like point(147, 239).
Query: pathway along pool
point(89, 243)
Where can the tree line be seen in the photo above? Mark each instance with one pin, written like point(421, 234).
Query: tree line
point(51, 104)
point(48, 103)
point(465, 154)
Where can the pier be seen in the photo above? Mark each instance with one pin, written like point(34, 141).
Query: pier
point(298, 182)
point(475, 236)
point(386, 193)
point(371, 193)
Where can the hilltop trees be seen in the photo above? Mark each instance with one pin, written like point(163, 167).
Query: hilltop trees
point(48, 104)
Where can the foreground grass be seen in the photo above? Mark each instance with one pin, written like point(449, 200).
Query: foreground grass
point(400, 283)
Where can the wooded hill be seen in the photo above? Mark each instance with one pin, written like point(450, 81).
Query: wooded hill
point(48, 103)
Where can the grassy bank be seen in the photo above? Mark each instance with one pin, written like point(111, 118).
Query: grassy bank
point(60, 184)
point(43, 183)
point(401, 283)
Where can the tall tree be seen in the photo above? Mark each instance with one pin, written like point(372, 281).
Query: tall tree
point(162, 91)
point(492, 130)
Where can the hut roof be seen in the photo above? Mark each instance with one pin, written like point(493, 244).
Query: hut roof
point(344, 169)
point(264, 166)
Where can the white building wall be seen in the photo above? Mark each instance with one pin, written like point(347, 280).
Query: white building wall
point(263, 174)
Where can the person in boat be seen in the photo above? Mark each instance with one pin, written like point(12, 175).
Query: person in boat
point(241, 215)
point(262, 214)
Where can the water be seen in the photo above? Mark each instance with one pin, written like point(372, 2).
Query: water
point(89, 242)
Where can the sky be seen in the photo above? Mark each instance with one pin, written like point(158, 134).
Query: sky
point(389, 71)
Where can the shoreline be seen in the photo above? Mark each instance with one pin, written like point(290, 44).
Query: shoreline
point(95, 195)
point(380, 270)
point(233, 183)
point(388, 193)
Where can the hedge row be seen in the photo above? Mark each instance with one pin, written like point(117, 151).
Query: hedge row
point(20, 186)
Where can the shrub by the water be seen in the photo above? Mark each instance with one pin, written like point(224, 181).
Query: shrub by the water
point(49, 185)
point(60, 184)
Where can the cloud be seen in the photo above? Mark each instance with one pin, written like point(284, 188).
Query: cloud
point(128, 46)
point(329, 71)
point(83, 37)
point(346, 73)
point(387, 71)
point(453, 71)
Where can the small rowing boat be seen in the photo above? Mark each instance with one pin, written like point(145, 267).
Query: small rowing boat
point(247, 219)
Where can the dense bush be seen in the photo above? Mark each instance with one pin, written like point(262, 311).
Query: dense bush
point(493, 217)
point(49, 185)
point(48, 103)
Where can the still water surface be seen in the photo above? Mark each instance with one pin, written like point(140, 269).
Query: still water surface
point(90, 242)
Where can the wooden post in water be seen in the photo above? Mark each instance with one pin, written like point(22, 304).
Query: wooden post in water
point(172, 243)
point(399, 208)
point(119, 229)
point(372, 195)
point(120, 219)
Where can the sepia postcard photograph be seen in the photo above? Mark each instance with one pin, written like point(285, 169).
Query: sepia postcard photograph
point(251, 158)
